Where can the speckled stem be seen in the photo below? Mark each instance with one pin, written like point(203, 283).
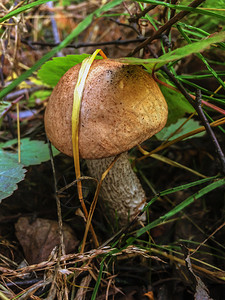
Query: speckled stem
point(121, 191)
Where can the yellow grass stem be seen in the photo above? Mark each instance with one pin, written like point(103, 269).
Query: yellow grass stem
point(3, 297)
point(94, 202)
point(180, 138)
point(78, 92)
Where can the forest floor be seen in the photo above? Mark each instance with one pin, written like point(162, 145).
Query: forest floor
point(182, 256)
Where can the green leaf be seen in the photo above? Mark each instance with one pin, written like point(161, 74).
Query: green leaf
point(53, 70)
point(176, 54)
point(32, 152)
point(11, 172)
point(190, 125)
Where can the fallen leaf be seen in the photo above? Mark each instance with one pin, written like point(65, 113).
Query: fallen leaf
point(39, 237)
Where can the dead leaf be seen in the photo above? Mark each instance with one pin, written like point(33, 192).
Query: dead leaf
point(39, 237)
point(201, 291)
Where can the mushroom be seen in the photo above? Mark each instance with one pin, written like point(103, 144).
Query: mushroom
point(121, 107)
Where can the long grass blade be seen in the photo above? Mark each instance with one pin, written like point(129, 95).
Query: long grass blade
point(94, 294)
point(181, 206)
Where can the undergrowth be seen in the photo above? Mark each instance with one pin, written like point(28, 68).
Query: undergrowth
point(179, 252)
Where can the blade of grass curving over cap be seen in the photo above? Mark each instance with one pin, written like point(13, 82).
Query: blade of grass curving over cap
point(80, 28)
point(23, 8)
point(78, 93)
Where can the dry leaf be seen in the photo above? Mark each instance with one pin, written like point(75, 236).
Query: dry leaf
point(39, 237)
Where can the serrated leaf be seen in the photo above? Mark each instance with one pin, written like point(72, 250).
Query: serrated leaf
point(166, 132)
point(53, 70)
point(32, 152)
point(11, 172)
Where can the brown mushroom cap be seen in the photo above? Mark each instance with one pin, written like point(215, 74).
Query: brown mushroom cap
point(121, 107)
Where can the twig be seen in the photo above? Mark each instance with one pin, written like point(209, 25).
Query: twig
point(23, 282)
point(166, 26)
point(208, 237)
point(4, 112)
point(197, 106)
point(62, 247)
point(125, 25)
point(24, 92)
point(136, 17)
point(82, 45)
point(218, 150)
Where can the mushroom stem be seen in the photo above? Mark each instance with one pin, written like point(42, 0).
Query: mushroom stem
point(121, 191)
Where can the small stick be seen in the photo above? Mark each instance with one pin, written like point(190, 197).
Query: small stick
point(197, 106)
point(208, 128)
point(59, 212)
point(136, 17)
point(18, 131)
point(26, 91)
point(82, 45)
point(125, 25)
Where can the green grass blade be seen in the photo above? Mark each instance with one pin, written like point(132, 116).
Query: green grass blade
point(179, 188)
point(94, 294)
point(80, 28)
point(186, 186)
point(22, 9)
point(200, 56)
point(178, 53)
point(186, 8)
point(194, 28)
point(181, 206)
